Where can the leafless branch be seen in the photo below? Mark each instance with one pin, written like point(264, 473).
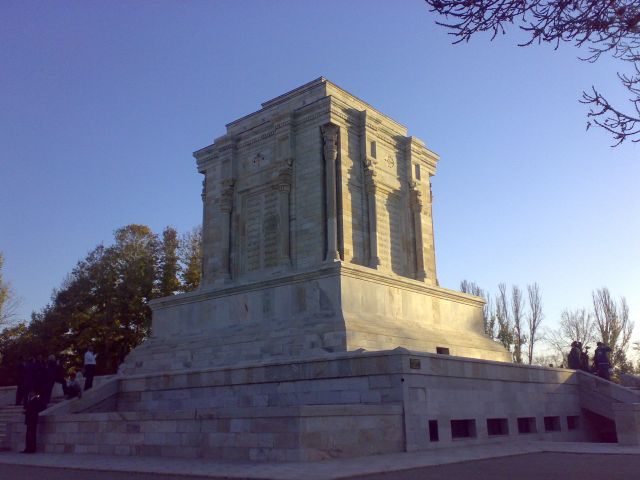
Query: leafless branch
point(611, 27)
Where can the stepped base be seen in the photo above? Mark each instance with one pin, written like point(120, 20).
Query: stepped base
point(270, 433)
point(344, 406)
point(340, 308)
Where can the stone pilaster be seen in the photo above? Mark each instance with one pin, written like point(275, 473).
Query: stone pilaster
point(225, 204)
point(370, 192)
point(283, 187)
point(416, 211)
point(330, 143)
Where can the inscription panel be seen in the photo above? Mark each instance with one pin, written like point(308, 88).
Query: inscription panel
point(261, 221)
point(390, 231)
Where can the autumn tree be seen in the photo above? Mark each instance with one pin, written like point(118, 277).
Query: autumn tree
point(9, 303)
point(602, 27)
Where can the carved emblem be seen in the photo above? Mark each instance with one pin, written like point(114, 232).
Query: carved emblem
point(390, 161)
point(258, 160)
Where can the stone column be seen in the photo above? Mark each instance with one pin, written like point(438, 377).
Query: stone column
point(416, 210)
point(330, 141)
point(283, 187)
point(371, 191)
point(225, 205)
point(203, 264)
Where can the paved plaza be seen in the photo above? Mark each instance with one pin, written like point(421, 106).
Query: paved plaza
point(539, 460)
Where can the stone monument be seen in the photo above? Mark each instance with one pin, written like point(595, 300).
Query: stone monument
point(317, 238)
point(320, 329)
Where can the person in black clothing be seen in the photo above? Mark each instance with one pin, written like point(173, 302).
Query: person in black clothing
point(40, 386)
point(34, 406)
point(52, 376)
point(574, 356)
point(601, 360)
point(584, 359)
point(20, 381)
point(29, 380)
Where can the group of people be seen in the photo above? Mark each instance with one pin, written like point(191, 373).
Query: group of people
point(578, 359)
point(36, 379)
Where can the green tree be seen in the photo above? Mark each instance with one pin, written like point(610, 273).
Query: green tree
point(169, 283)
point(191, 259)
point(103, 302)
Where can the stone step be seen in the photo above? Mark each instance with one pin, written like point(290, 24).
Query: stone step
point(266, 433)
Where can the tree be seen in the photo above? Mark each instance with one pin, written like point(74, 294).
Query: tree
point(517, 315)
point(505, 329)
point(613, 325)
point(489, 319)
point(9, 303)
point(104, 300)
point(602, 27)
point(169, 283)
point(534, 318)
point(191, 259)
point(575, 325)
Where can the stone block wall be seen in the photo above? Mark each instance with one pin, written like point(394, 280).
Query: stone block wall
point(260, 434)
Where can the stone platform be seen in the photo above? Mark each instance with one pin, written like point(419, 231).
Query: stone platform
point(345, 406)
point(337, 308)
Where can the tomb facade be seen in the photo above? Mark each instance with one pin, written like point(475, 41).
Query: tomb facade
point(317, 239)
point(320, 330)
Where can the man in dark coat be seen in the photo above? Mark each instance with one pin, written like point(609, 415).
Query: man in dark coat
point(20, 394)
point(601, 360)
point(35, 405)
point(29, 380)
point(52, 375)
point(574, 356)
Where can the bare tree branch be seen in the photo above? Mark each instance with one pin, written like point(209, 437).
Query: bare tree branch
point(613, 324)
point(517, 314)
point(611, 27)
point(535, 317)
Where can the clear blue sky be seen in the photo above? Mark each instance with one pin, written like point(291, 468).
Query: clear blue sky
point(102, 103)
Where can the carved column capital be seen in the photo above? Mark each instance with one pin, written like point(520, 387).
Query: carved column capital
point(283, 182)
point(330, 141)
point(416, 195)
point(370, 174)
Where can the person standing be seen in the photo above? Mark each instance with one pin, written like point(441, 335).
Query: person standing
point(584, 359)
point(51, 377)
point(40, 386)
point(574, 356)
point(89, 367)
point(20, 381)
point(601, 360)
point(35, 405)
point(29, 380)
